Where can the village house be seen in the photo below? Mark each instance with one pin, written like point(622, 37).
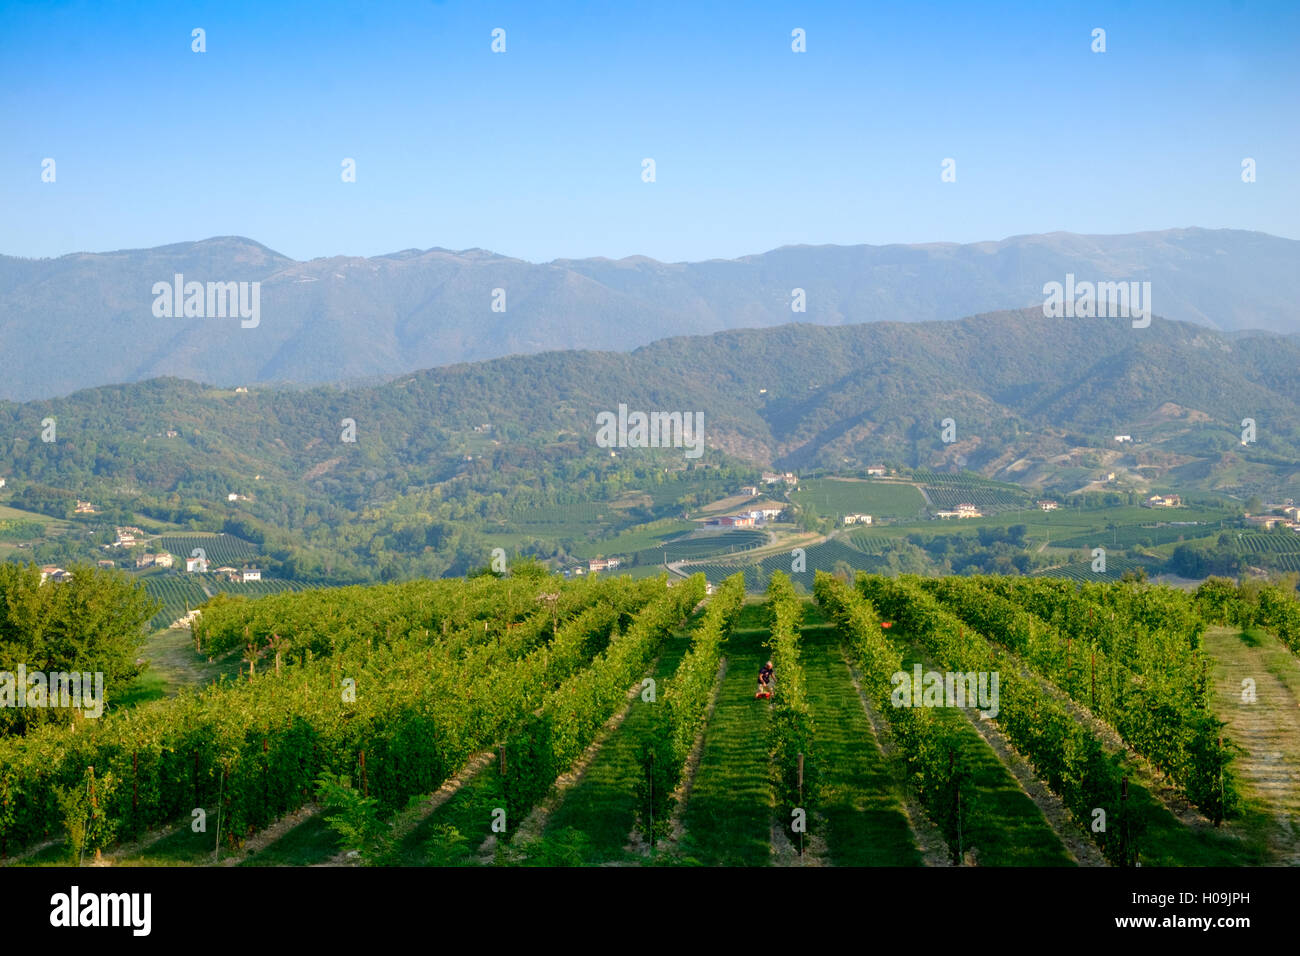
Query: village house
point(2, 482)
point(106, 564)
point(83, 508)
point(602, 564)
point(163, 560)
point(963, 511)
point(1163, 501)
point(1123, 438)
point(250, 574)
point(750, 490)
point(876, 471)
point(857, 519)
point(1048, 505)
point(56, 574)
point(196, 565)
point(732, 521)
point(1267, 522)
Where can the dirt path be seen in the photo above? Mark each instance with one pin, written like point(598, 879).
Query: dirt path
point(1268, 730)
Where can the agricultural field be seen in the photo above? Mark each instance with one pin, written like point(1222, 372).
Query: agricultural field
point(834, 497)
point(536, 721)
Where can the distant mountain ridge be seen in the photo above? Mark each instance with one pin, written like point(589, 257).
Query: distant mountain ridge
point(86, 319)
point(1032, 400)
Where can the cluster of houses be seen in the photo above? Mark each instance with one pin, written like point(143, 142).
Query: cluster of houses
point(964, 510)
point(772, 478)
point(857, 519)
point(1047, 505)
point(128, 537)
point(234, 575)
point(748, 518)
point(1289, 518)
point(161, 560)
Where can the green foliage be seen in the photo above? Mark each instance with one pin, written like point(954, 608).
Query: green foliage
point(422, 708)
point(91, 624)
point(354, 817)
point(20, 529)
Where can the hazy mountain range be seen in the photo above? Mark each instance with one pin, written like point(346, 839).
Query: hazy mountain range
point(87, 319)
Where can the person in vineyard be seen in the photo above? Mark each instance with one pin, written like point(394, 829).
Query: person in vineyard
point(765, 679)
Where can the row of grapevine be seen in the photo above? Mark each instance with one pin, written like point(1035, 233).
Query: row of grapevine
point(1144, 626)
point(546, 743)
point(791, 730)
point(1160, 711)
point(255, 747)
point(685, 700)
point(1065, 755)
point(1269, 606)
point(926, 745)
point(326, 620)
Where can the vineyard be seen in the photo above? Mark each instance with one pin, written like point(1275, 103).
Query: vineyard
point(948, 491)
point(1022, 720)
point(826, 556)
point(220, 549)
point(1148, 537)
point(700, 546)
point(1281, 543)
point(1116, 568)
point(833, 497)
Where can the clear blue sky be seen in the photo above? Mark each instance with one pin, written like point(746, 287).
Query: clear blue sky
point(537, 152)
